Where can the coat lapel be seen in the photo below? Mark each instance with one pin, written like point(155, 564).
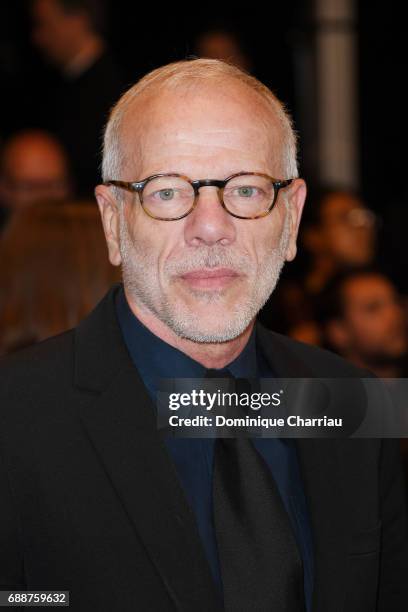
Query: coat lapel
point(320, 467)
point(120, 421)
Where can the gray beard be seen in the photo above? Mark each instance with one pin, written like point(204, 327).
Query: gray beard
point(140, 281)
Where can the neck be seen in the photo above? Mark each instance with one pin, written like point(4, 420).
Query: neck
point(211, 355)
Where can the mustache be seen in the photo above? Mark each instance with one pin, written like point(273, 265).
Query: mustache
point(209, 258)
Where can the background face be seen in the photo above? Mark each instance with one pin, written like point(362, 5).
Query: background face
point(347, 232)
point(374, 318)
point(34, 169)
point(165, 263)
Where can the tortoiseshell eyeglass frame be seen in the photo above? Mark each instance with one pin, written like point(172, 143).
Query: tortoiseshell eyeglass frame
point(138, 187)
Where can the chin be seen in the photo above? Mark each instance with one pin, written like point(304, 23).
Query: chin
point(197, 325)
point(209, 336)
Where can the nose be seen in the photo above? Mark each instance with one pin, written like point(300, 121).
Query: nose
point(209, 223)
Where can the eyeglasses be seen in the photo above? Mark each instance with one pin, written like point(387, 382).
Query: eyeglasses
point(169, 197)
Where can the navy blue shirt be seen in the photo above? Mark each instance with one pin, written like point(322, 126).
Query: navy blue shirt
point(193, 457)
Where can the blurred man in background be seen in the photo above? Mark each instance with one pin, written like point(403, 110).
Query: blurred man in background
point(33, 168)
point(364, 321)
point(69, 33)
point(339, 233)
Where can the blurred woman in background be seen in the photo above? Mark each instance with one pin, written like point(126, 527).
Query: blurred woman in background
point(53, 270)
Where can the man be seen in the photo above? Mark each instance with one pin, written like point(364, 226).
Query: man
point(69, 33)
point(364, 321)
point(94, 500)
point(33, 168)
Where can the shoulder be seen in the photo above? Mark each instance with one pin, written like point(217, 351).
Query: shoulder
point(40, 366)
point(319, 362)
point(48, 372)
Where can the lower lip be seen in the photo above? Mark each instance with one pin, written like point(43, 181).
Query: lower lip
point(218, 281)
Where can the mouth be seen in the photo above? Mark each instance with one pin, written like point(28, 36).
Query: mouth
point(218, 278)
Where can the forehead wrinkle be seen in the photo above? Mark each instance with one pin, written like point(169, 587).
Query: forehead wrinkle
point(222, 160)
point(208, 135)
point(149, 112)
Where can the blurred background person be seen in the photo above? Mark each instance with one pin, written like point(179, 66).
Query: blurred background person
point(224, 44)
point(69, 34)
point(33, 168)
point(363, 320)
point(54, 271)
point(338, 233)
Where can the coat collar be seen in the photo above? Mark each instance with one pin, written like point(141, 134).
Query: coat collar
point(120, 421)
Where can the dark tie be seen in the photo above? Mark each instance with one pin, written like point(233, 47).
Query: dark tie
point(260, 563)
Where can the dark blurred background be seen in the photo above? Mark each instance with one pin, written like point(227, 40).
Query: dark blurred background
point(281, 45)
point(338, 65)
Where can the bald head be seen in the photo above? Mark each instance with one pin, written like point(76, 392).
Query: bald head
point(212, 84)
point(200, 123)
point(33, 167)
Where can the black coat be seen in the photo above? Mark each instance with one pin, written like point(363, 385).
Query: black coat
point(90, 500)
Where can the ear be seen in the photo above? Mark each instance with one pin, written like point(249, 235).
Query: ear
point(108, 207)
point(297, 196)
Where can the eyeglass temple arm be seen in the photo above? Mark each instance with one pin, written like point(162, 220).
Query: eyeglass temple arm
point(125, 185)
point(282, 184)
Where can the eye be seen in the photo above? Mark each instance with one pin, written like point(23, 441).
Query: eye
point(165, 194)
point(246, 191)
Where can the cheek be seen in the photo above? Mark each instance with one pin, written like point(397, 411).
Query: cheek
point(340, 242)
point(266, 236)
point(366, 330)
point(366, 238)
point(155, 242)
